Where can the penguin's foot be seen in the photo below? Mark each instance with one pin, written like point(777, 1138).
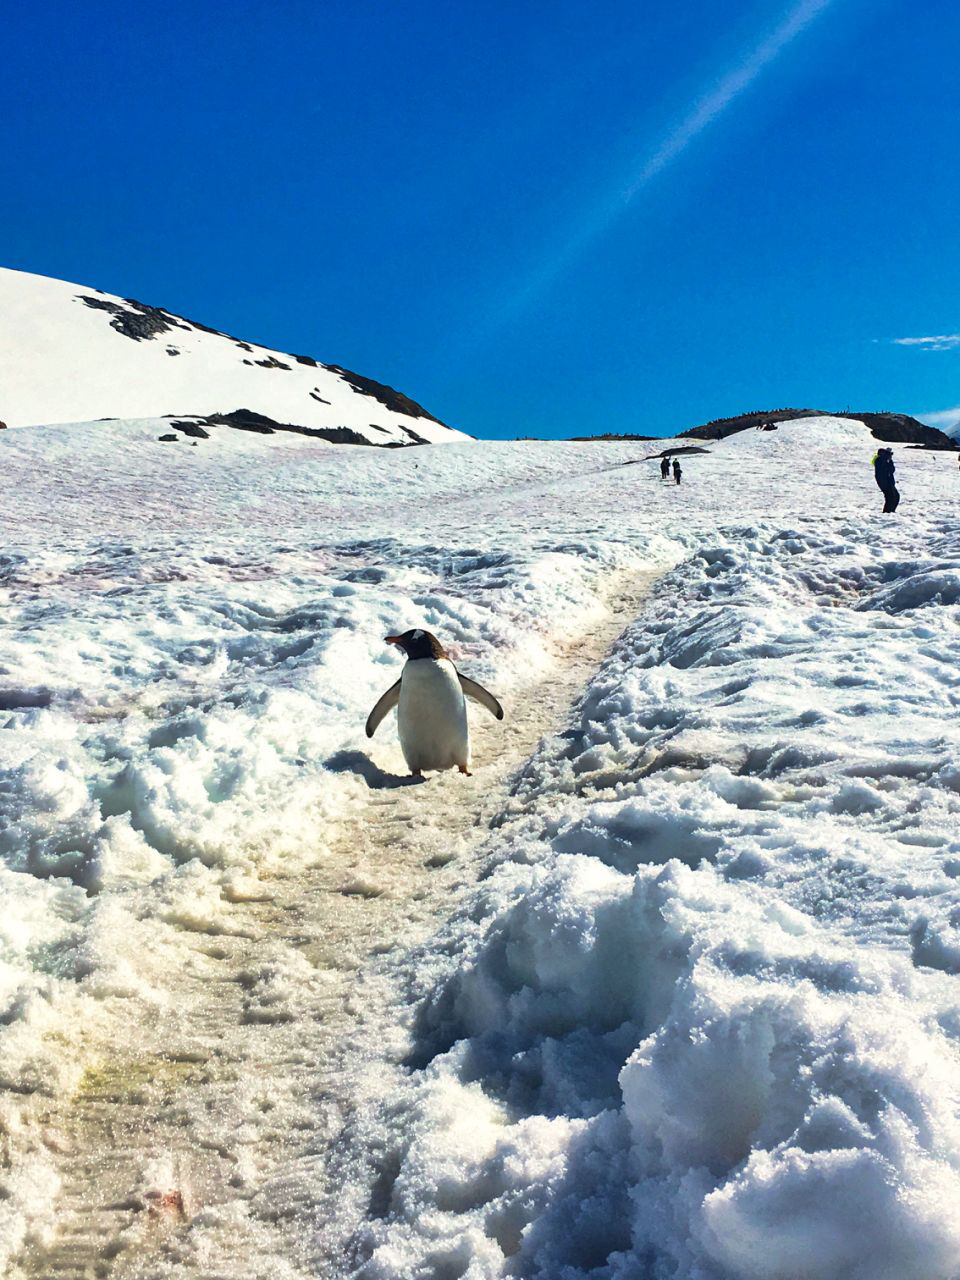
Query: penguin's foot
point(463, 769)
point(416, 773)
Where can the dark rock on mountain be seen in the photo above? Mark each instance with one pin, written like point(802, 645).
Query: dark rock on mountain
point(248, 420)
point(135, 320)
point(681, 448)
point(192, 429)
point(414, 435)
point(900, 428)
point(393, 399)
point(607, 435)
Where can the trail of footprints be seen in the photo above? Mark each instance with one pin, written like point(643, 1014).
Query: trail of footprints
point(159, 1135)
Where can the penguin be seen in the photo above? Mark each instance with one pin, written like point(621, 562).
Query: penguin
point(431, 710)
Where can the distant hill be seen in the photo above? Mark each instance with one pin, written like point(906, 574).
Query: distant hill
point(893, 428)
point(609, 435)
point(73, 354)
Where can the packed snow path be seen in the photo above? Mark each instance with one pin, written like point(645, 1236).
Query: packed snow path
point(147, 1145)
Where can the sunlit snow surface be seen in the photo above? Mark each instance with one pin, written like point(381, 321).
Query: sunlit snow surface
point(701, 1018)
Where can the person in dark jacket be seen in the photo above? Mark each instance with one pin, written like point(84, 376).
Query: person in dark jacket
point(664, 467)
point(677, 473)
point(884, 470)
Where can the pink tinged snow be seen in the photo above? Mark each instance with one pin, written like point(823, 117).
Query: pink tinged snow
point(700, 1018)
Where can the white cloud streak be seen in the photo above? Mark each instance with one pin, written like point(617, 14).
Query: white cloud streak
point(730, 87)
point(938, 342)
point(704, 111)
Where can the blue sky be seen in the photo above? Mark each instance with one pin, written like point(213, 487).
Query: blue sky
point(537, 218)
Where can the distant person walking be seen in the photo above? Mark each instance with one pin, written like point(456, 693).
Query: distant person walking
point(664, 467)
point(885, 473)
point(677, 473)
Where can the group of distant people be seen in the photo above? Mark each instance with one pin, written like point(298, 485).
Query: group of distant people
point(665, 468)
point(883, 469)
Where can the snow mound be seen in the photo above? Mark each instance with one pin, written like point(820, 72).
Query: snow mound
point(802, 434)
point(699, 1021)
point(75, 354)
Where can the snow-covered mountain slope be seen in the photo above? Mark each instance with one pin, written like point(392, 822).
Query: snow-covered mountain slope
point(74, 354)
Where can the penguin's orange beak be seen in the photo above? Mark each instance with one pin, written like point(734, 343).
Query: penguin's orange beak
point(392, 639)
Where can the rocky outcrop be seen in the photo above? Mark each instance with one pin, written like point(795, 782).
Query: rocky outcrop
point(387, 396)
point(260, 424)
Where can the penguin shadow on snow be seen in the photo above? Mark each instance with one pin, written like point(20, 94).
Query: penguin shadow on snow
point(377, 779)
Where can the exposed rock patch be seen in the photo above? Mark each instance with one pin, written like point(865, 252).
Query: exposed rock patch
point(192, 429)
point(670, 453)
point(606, 435)
point(414, 436)
point(260, 424)
point(135, 319)
point(387, 396)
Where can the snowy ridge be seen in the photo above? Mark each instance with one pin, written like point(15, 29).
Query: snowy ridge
point(75, 354)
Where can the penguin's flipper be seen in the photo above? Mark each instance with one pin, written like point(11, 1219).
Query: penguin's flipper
point(386, 703)
point(479, 694)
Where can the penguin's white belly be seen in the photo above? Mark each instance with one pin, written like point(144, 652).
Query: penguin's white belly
point(432, 716)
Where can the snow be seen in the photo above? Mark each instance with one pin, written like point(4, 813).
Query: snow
point(698, 1016)
point(64, 362)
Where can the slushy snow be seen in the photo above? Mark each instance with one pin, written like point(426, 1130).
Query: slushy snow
point(698, 1018)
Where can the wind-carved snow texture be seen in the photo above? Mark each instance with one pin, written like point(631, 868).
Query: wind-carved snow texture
point(695, 1024)
point(699, 1016)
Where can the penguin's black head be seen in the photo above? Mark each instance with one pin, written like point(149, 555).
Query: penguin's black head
point(418, 644)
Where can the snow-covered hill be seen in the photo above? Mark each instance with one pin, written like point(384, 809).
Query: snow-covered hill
point(892, 428)
point(75, 354)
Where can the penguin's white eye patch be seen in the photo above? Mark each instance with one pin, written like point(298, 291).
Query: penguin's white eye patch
point(417, 634)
